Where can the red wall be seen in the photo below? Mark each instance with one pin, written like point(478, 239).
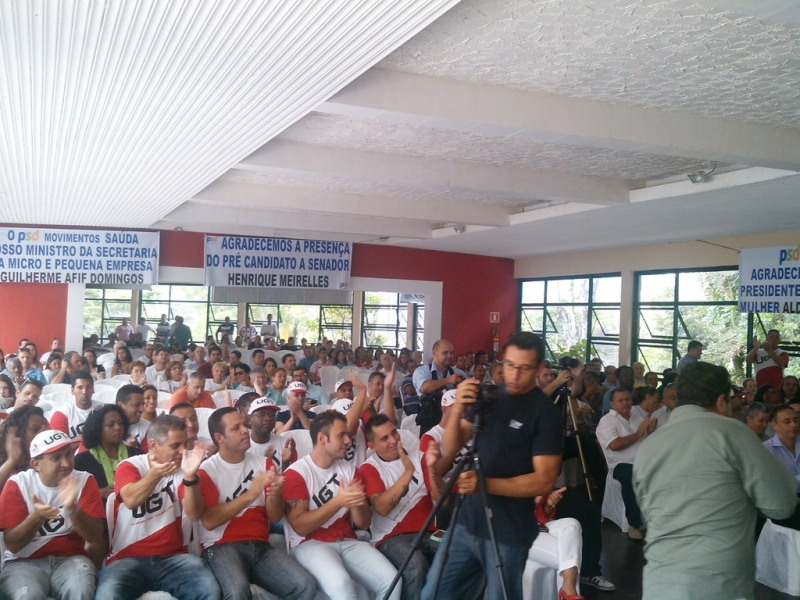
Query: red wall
point(473, 286)
point(37, 311)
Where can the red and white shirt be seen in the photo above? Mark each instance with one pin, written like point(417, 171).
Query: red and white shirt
point(436, 434)
point(274, 446)
point(56, 537)
point(767, 371)
point(155, 527)
point(139, 431)
point(306, 481)
point(410, 513)
point(70, 419)
point(222, 482)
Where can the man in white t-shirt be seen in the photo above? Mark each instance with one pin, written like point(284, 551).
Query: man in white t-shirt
point(269, 330)
point(160, 360)
point(130, 398)
point(144, 330)
point(70, 416)
point(620, 434)
point(148, 550)
point(768, 360)
point(50, 516)
point(324, 500)
point(261, 418)
point(401, 486)
point(241, 495)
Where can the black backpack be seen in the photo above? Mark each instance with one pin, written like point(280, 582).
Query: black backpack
point(430, 405)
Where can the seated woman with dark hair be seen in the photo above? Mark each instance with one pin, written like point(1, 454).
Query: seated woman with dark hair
point(122, 364)
point(104, 435)
point(16, 434)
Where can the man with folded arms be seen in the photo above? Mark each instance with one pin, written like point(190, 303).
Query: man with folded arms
point(324, 499)
point(48, 515)
point(401, 487)
point(241, 494)
point(147, 546)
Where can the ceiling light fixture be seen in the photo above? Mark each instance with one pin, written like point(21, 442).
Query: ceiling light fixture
point(701, 176)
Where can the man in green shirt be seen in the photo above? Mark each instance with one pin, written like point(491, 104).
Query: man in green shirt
point(699, 481)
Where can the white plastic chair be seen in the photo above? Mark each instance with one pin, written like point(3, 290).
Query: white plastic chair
point(56, 399)
point(409, 439)
point(121, 379)
point(778, 558)
point(320, 408)
point(53, 388)
point(162, 395)
point(101, 383)
point(219, 397)
point(409, 423)
point(202, 422)
point(302, 440)
point(106, 396)
point(613, 505)
point(328, 376)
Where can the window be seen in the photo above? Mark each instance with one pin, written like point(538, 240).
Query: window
point(576, 316)
point(310, 321)
point(672, 308)
point(393, 320)
point(103, 310)
point(192, 302)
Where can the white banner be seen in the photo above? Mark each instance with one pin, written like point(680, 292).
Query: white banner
point(91, 256)
point(239, 261)
point(769, 280)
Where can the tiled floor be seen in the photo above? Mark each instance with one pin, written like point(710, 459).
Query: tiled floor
point(622, 564)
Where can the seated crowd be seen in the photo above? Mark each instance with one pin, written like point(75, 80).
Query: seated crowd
point(111, 500)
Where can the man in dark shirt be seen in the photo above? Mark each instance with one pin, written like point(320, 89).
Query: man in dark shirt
point(520, 453)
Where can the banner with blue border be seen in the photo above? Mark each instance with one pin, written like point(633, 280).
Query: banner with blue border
point(769, 280)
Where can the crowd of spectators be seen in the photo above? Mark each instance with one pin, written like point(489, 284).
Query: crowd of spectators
point(246, 480)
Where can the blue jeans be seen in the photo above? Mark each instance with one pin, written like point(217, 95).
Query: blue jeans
point(184, 576)
point(469, 559)
point(62, 577)
point(237, 564)
point(396, 548)
point(336, 564)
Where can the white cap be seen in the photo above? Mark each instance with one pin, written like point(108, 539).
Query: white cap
point(263, 402)
point(48, 441)
point(448, 398)
point(340, 383)
point(297, 386)
point(342, 405)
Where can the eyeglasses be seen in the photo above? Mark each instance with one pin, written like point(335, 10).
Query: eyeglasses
point(524, 369)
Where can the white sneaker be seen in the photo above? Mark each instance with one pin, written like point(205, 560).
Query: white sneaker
point(634, 534)
point(599, 582)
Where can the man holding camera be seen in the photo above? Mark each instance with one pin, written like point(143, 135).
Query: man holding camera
point(520, 455)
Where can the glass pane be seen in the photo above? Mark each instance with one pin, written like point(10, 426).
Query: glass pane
point(655, 359)
point(608, 353)
point(420, 318)
point(723, 332)
point(532, 320)
point(569, 336)
point(568, 290)
point(657, 288)
point(93, 293)
point(401, 339)
point(380, 316)
point(190, 292)
point(333, 333)
point(605, 322)
point(533, 292)
point(713, 286)
point(194, 315)
point(117, 310)
point(118, 294)
point(157, 292)
point(218, 312)
point(258, 312)
point(380, 298)
point(337, 315)
point(92, 317)
point(299, 321)
point(373, 337)
point(152, 311)
point(420, 341)
point(655, 323)
point(607, 289)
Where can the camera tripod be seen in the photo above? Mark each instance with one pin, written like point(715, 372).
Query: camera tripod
point(563, 393)
point(470, 458)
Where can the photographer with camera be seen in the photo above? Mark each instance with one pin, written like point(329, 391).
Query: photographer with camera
point(432, 381)
point(520, 455)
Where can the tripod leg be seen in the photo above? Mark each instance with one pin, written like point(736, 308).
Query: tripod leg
point(446, 542)
point(498, 560)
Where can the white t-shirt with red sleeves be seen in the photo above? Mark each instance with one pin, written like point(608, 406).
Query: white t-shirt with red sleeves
point(276, 443)
point(767, 371)
point(70, 419)
point(155, 527)
point(56, 537)
point(139, 431)
point(222, 482)
point(306, 481)
point(436, 434)
point(410, 513)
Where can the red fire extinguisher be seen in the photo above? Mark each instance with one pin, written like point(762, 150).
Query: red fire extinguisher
point(495, 340)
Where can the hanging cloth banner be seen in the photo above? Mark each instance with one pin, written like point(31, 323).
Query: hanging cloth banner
point(90, 256)
point(240, 261)
point(769, 280)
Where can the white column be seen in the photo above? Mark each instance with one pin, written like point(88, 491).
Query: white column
point(358, 309)
point(73, 334)
point(626, 317)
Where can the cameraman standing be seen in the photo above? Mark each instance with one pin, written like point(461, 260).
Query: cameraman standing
point(520, 455)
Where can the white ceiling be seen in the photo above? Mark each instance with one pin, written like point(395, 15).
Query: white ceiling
point(531, 127)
